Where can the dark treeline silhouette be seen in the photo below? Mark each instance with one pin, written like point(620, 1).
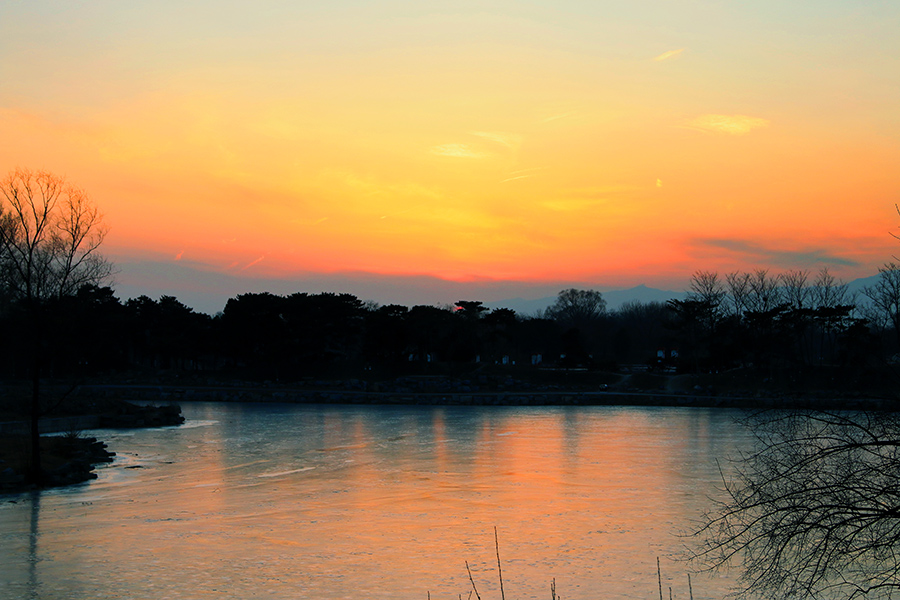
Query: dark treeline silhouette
point(752, 320)
point(771, 321)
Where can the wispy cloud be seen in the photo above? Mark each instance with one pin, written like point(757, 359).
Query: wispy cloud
point(558, 117)
point(670, 54)
point(522, 174)
point(729, 124)
point(257, 261)
point(514, 178)
point(458, 151)
point(774, 256)
point(510, 140)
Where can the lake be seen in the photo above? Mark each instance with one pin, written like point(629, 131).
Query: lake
point(283, 501)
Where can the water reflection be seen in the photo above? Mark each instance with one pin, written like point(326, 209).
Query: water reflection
point(284, 501)
point(33, 545)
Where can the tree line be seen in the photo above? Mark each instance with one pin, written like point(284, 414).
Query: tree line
point(297, 335)
point(55, 300)
point(752, 320)
point(791, 319)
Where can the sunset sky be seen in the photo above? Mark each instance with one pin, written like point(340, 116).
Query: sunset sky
point(396, 149)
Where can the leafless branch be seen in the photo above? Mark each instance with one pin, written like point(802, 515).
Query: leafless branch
point(814, 512)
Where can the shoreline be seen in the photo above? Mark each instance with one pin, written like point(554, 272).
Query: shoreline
point(67, 459)
point(165, 411)
point(70, 459)
point(574, 397)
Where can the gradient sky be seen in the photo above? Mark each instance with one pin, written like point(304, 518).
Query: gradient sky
point(523, 143)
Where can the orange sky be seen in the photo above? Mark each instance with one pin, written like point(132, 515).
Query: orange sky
point(550, 142)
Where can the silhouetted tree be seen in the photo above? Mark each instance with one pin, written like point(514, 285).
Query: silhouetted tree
point(470, 309)
point(580, 314)
point(501, 325)
point(578, 309)
point(254, 327)
point(50, 236)
point(885, 297)
point(91, 332)
point(764, 291)
point(708, 291)
point(429, 329)
point(172, 335)
point(539, 336)
point(738, 289)
point(323, 328)
point(690, 321)
point(466, 340)
point(641, 331)
point(386, 337)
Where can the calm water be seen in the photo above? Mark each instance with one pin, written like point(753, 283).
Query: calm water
point(286, 501)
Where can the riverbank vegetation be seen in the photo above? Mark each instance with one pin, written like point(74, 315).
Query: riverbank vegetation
point(788, 333)
point(67, 456)
point(66, 459)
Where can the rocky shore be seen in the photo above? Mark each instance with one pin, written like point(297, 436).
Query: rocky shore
point(67, 459)
point(70, 458)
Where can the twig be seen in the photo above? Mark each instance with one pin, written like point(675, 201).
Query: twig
point(658, 578)
point(690, 589)
point(472, 580)
point(499, 570)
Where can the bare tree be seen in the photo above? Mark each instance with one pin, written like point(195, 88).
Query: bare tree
point(707, 291)
point(835, 311)
point(738, 285)
point(885, 296)
point(795, 288)
point(577, 308)
point(706, 287)
point(50, 235)
point(764, 293)
point(814, 512)
point(830, 292)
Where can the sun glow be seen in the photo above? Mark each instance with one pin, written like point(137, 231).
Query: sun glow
point(499, 145)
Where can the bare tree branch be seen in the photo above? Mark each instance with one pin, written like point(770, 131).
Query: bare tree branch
point(814, 511)
point(50, 235)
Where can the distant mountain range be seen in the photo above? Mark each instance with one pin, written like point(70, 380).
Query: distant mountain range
point(614, 300)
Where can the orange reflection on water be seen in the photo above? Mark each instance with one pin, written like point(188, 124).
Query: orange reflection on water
point(353, 502)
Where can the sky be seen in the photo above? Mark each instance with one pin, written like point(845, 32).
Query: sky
point(412, 151)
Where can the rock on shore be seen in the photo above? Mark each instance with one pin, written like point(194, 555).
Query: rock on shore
point(66, 459)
